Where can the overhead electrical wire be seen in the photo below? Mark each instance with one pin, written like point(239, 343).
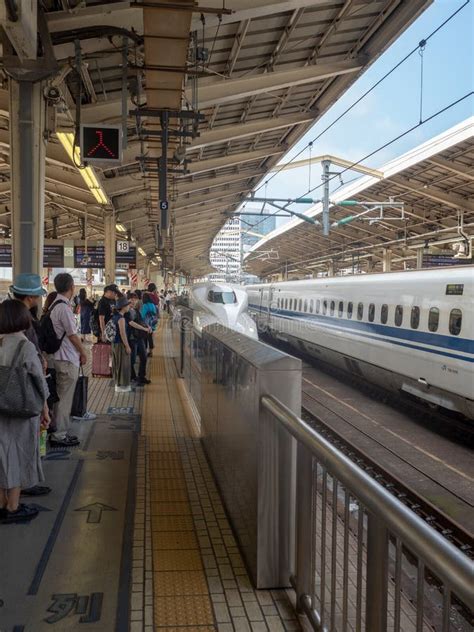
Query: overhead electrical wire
point(421, 45)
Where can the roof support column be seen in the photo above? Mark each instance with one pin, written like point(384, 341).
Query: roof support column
point(109, 230)
point(419, 258)
point(386, 260)
point(27, 166)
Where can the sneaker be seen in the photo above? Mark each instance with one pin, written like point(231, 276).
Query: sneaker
point(36, 490)
point(142, 381)
point(123, 389)
point(24, 513)
point(87, 417)
point(67, 442)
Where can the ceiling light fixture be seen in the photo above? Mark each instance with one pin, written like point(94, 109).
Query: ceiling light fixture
point(142, 252)
point(87, 173)
point(121, 228)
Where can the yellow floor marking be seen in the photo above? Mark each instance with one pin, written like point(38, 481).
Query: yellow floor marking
point(181, 595)
point(395, 434)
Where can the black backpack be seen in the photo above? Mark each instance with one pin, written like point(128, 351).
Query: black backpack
point(48, 341)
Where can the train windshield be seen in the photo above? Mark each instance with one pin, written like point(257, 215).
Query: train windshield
point(225, 298)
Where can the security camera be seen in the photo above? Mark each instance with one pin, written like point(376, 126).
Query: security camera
point(52, 94)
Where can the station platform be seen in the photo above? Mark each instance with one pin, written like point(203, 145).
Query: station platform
point(134, 535)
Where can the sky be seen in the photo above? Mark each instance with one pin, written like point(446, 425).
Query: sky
point(394, 106)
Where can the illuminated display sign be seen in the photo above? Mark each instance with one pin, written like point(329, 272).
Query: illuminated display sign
point(128, 258)
point(53, 256)
point(93, 258)
point(101, 144)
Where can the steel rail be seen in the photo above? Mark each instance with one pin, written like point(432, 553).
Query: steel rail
point(450, 564)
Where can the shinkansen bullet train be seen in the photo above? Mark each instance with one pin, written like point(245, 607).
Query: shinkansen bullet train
point(407, 331)
point(223, 304)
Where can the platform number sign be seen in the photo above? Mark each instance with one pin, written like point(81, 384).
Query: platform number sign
point(164, 205)
point(123, 246)
point(101, 144)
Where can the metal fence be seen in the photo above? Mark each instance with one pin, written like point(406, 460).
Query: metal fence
point(365, 561)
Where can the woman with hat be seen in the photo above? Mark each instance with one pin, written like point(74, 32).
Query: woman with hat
point(121, 350)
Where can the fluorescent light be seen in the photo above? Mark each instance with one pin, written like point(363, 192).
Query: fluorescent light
point(153, 263)
point(87, 173)
point(142, 252)
point(121, 228)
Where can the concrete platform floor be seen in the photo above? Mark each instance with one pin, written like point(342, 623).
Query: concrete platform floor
point(134, 536)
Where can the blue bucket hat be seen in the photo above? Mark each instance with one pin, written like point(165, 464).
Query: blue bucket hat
point(27, 284)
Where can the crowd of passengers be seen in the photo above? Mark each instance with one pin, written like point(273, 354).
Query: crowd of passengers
point(42, 384)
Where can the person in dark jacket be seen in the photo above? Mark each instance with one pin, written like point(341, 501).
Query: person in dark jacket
point(86, 307)
point(138, 339)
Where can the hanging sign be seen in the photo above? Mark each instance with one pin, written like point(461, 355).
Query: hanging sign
point(101, 144)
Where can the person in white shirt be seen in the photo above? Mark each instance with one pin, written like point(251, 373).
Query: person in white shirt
point(67, 360)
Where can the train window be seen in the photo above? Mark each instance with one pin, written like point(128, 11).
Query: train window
point(318, 306)
point(398, 315)
point(305, 305)
point(350, 309)
point(415, 317)
point(325, 307)
point(371, 313)
point(455, 322)
point(300, 305)
point(333, 307)
point(360, 311)
point(384, 314)
point(340, 311)
point(221, 297)
point(286, 303)
point(311, 306)
point(433, 319)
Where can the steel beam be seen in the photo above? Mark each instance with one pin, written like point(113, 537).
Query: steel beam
point(218, 181)
point(27, 165)
point(228, 133)
point(110, 233)
point(461, 170)
point(449, 199)
point(219, 92)
point(234, 159)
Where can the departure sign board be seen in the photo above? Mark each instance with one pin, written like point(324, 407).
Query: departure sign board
point(93, 258)
point(127, 258)
point(440, 260)
point(53, 256)
point(101, 144)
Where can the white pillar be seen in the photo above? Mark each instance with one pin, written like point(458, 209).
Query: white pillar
point(110, 246)
point(27, 167)
point(419, 258)
point(386, 260)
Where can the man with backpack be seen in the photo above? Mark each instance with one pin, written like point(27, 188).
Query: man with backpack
point(69, 356)
point(105, 306)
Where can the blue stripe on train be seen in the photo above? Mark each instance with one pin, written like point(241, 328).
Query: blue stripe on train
point(387, 333)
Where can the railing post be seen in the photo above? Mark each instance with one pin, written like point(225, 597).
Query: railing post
point(304, 525)
point(377, 575)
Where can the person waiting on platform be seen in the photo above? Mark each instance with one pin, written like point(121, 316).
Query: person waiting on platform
point(149, 314)
point(138, 337)
point(86, 306)
point(105, 307)
point(20, 463)
point(67, 360)
point(121, 350)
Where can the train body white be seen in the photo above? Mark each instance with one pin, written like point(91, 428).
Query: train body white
point(406, 331)
point(223, 304)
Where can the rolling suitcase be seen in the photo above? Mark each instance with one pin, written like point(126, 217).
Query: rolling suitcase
point(101, 360)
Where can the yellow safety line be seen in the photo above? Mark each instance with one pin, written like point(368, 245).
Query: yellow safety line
point(181, 595)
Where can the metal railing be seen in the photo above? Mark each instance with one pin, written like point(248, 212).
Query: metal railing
point(365, 561)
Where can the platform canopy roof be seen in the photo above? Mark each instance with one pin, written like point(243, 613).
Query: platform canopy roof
point(435, 181)
point(266, 70)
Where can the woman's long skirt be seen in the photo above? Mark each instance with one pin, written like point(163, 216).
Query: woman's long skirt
point(121, 365)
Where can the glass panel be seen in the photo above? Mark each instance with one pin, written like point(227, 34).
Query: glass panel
point(360, 311)
point(222, 297)
point(306, 305)
point(455, 322)
point(398, 315)
point(433, 319)
point(333, 307)
point(371, 313)
point(340, 311)
point(415, 317)
point(350, 309)
point(318, 306)
point(311, 306)
point(325, 307)
point(384, 314)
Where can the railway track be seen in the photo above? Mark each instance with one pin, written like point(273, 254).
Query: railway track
point(413, 451)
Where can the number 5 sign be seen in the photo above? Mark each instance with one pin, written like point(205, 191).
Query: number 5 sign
point(123, 246)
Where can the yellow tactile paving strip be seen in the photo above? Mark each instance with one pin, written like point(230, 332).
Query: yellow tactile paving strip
point(181, 595)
